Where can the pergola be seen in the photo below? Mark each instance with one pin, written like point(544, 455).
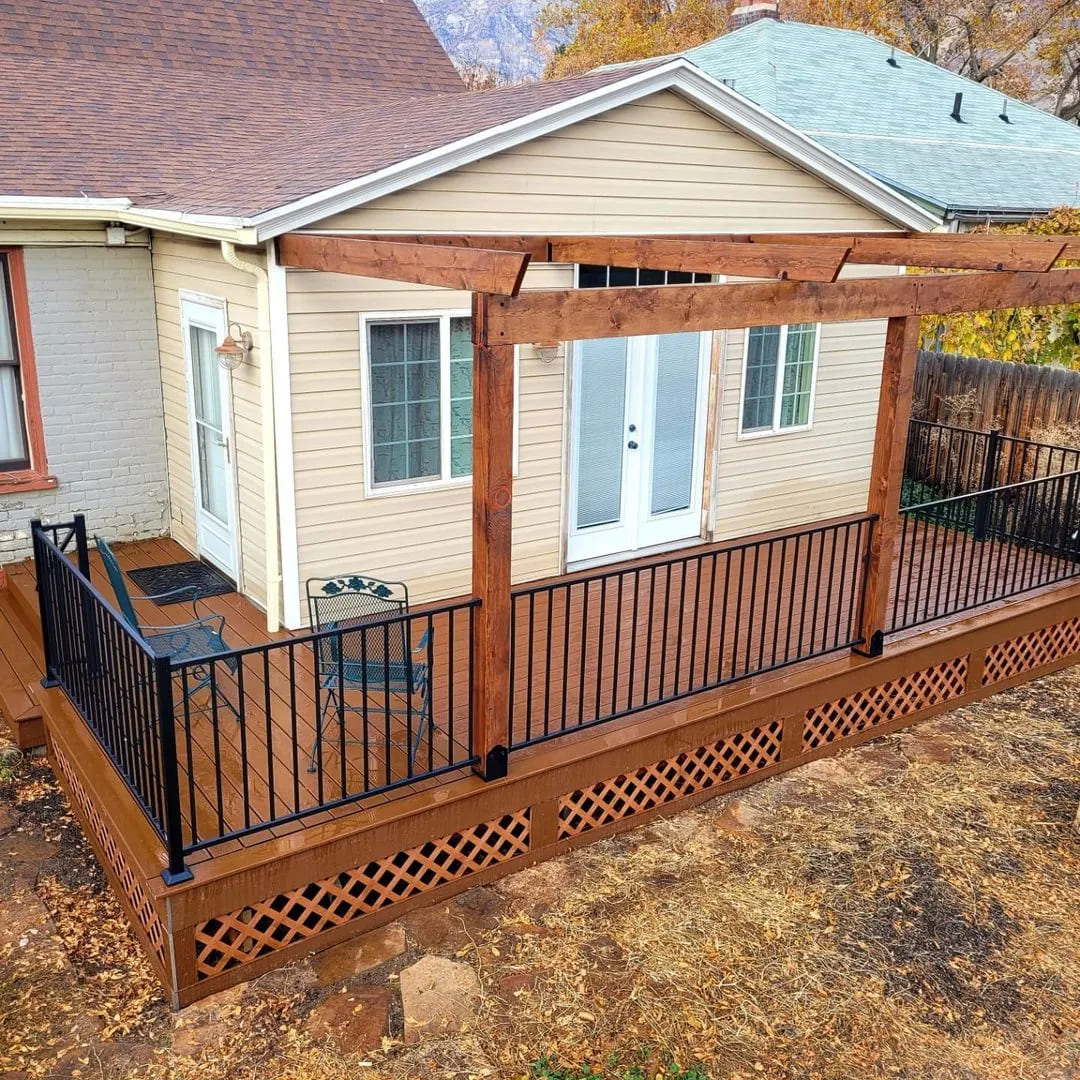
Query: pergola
point(1006, 272)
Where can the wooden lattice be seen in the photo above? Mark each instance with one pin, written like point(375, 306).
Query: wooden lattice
point(138, 898)
point(664, 781)
point(899, 697)
point(241, 936)
point(1030, 651)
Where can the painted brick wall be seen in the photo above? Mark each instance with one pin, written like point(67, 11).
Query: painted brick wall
point(95, 340)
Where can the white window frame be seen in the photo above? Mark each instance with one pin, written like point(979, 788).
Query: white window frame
point(435, 483)
point(776, 429)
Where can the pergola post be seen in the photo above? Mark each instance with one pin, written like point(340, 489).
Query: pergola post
point(492, 492)
point(887, 475)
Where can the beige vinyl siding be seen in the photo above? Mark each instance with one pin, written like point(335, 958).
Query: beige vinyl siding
point(422, 537)
point(659, 165)
point(198, 267)
point(784, 479)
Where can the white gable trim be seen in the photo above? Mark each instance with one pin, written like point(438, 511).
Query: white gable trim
point(678, 75)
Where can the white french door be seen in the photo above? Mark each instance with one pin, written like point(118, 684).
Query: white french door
point(637, 447)
point(202, 327)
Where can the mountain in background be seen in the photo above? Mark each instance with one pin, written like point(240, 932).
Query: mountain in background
point(492, 34)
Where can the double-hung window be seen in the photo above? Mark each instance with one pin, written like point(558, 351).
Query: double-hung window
point(779, 374)
point(418, 372)
point(14, 439)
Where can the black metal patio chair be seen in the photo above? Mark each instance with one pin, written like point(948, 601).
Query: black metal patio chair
point(368, 659)
point(203, 636)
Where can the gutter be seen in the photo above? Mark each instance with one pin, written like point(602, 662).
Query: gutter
point(205, 226)
point(266, 428)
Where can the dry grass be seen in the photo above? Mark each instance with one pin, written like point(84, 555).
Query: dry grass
point(882, 919)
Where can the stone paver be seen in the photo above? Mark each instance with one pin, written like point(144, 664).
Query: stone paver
point(357, 1020)
point(438, 997)
point(359, 955)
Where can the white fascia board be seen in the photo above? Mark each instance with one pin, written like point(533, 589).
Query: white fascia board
point(679, 75)
point(206, 226)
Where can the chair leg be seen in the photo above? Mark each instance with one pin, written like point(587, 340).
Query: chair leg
point(320, 723)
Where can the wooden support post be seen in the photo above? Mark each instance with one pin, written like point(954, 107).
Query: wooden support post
point(492, 492)
point(887, 476)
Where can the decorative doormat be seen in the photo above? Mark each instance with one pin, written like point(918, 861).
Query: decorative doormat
point(196, 577)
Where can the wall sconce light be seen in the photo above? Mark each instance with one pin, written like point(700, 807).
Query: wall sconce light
point(233, 351)
point(547, 351)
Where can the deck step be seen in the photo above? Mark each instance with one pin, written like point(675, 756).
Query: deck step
point(21, 667)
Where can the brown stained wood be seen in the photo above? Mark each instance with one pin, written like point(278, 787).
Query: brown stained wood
point(887, 473)
point(536, 247)
point(792, 262)
point(569, 314)
point(470, 269)
point(946, 250)
point(492, 497)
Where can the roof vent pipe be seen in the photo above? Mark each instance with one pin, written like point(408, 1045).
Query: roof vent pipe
point(892, 61)
point(744, 14)
point(1004, 114)
point(958, 101)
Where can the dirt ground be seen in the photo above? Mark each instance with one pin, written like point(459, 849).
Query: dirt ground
point(907, 910)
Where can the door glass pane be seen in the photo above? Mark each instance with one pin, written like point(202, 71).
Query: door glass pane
point(761, 363)
point(213, 472)
point(798, 375)
point(204, 370)
point(405, 400)
point(674, 420)
point(601, 435)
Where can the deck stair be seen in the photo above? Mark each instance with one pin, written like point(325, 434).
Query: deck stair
point(21, 661)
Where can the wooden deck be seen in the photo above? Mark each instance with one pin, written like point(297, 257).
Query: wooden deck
point(587, 647)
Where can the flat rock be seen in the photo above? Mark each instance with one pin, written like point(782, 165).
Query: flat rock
point(204, 1024)
point(27, 934)
point(359, 955)
point(356, 1020)
point(21, 855)
point(438, 997)
point(927, 749)
point(8, 820)
point(517, 983)
point(742, 818)
point(537, 889)
point(826, 770)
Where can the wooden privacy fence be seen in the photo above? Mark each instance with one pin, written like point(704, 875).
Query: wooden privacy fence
point(1017, 398)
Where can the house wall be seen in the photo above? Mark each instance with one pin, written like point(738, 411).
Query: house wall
point(659, 165)
point(92, 323)
point(194, 266)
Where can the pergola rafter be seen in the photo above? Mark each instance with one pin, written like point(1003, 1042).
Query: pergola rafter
point(492, 268)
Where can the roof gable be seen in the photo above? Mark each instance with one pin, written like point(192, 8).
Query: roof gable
point(893, 119)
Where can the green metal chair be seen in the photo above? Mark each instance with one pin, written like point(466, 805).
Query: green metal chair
point(203, 636)
point(364, 658)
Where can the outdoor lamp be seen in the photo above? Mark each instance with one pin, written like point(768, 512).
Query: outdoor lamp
point(231, 353)
point(547, 351)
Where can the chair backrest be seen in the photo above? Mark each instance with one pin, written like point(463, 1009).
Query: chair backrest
point(116, 576)
point(353, 601)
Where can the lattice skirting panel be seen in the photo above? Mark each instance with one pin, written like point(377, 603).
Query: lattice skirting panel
point(664, 781)
point(879, 704)
point(241, 936)
point(1025, 653)
point(111, 855)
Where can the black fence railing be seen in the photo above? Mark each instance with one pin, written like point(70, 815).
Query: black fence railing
point(226, 745)
point(957, 553)
point(943, 460)
point(119, 687)
point(598, 646)
point(272, 734)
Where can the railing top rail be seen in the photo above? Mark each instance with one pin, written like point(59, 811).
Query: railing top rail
point(314, 636)
point(704, 551)
point(96, 594)
point(990, 491)
point(1004, 438)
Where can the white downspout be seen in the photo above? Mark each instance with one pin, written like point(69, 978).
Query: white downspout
point(269, 454)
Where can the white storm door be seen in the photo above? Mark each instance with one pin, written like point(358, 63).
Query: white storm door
point(603, 476)
point(674, 405)
point(203, 329)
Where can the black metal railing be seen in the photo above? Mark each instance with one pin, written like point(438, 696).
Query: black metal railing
point(957, 553)
point(116, 683)
point(230, 744)
point(943, 460)
point(598, 646)
point(266, 738)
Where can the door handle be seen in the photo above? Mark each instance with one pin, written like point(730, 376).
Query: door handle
point(631, 445)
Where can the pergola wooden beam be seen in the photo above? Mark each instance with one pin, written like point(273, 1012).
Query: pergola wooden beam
point(957, 240)
point(479, 270)
point(572, 314)
point(536, 247)
point(988, 253)
point(793, 262)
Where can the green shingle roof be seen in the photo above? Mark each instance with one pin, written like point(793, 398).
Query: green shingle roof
point(893, 120)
